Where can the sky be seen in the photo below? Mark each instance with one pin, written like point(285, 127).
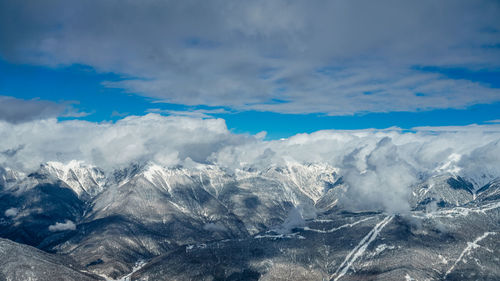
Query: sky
point(283, 67)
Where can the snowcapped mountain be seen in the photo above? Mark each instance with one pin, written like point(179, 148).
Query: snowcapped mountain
point(84, 180)
point(204, 221)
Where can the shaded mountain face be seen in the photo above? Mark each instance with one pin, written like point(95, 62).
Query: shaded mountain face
point(289, 222)
point(34, 216)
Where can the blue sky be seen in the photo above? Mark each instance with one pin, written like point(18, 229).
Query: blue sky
point(84, 87)
point(404, 65)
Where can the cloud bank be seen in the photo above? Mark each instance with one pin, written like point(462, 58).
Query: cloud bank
point(378, 165)
point(165, 140)
point(332, 57)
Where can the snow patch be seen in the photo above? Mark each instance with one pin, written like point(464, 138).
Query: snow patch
point(443, 259)
point(138, 265)
point(380, 248)
point(408, 277)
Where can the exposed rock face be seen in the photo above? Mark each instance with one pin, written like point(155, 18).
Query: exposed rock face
point(147, 222)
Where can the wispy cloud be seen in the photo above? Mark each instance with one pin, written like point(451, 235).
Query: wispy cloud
point(332, 57)
point(119, 114)
point(194, 113)
point(71, 112)
point(493, 121)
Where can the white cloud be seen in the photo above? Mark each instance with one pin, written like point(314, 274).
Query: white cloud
point(11, 212)
point(165, 140)
point(335, 57)
point(62, 226)
point(379, 165)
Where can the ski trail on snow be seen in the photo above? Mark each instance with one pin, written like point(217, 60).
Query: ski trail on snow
point(470, 246)
point(337, 228)
point(360, 249)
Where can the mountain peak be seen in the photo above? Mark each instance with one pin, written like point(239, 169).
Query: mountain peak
point(82, 178)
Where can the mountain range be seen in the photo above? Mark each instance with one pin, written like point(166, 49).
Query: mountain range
point(296, 221)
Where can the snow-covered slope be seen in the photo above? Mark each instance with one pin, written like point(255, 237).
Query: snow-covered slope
point(84, 180)
point(490, 191)
point(443, 190)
